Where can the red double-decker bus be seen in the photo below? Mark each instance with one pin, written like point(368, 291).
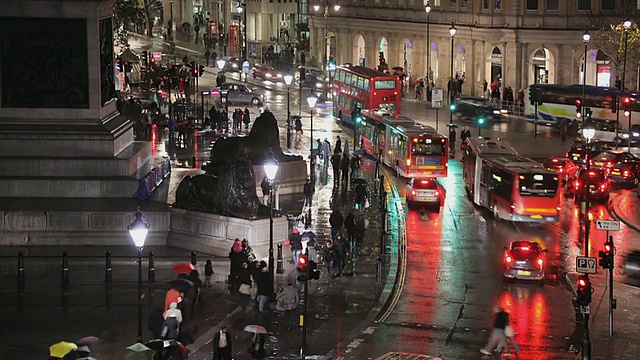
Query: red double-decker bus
point(412, 149)
point(513, 187)
point(368, 89)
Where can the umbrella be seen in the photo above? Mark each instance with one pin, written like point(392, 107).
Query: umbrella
point(452, 125)
point(87, 340)
point(359, 181)
point(256, 329)
point(138, 351)
point(159, 344)
point(495, 83)
point(400, 68)
point(183, 268)
point(182, 285)
point(61, 349)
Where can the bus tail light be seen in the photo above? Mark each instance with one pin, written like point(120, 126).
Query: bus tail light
point(408, 162)
point(558, 209)
point(413, 193)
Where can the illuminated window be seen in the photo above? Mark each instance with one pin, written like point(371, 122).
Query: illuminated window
point(435, 3)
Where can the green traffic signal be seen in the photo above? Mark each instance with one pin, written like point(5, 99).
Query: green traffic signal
point(481, 120)
point(452, 107)
point(358, 119)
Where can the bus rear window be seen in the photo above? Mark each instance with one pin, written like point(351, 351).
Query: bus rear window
point(544, 185)
point(428, 149)
point(385, 84)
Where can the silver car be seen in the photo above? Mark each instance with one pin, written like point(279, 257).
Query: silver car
point(241, 94)
point(524, 260)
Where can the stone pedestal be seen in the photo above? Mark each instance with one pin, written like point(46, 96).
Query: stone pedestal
point(214, 234)
point(290, 178)
point(61, 138)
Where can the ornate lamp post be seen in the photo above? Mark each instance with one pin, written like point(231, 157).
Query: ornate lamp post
point(427, 9)
point(221, 63)
point(271, 169)
point(288, 79)
point(586, 37)
point(242, 9)
point(138, 230)
point(452, 32)
point(312, 99)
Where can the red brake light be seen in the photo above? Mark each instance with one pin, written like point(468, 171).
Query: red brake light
point(607, 248)
point(626, 173)
point(424, 182)
point(577, 184)
point(603, 187)
point(525, 248)
point(508, 259)
point(609, 164)
point(582, 283)
point(413, 192)
point(540, 262)
point(554, 160)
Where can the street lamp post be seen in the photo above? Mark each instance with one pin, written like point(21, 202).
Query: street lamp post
point(242, 8)
point(288, 79)
point(271, 169)
point(452, 32)
point(626, 25)
point(325, 55)
point(138, 230)
point(586, 37)
point(312, 99)
point(588, 132)
point(427, 9)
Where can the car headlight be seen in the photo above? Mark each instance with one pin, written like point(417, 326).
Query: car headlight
point(635, 134)
point(279, 76)
point(318, 85)
point(234, 65)
point(625, 136)
point(497, 112)
point(267, 75)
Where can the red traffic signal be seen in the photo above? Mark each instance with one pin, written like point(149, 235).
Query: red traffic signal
point(626, 101)
point(302, 262)
point(582, 283)
point(583, 293)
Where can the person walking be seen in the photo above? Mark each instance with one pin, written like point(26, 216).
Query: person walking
point(452, 141)
point(207, 56)
point(497, 337)
point(350, 227)
point(222, 344)
point(510, 336)
point(208, 273)
point(265, 186)
point(465, 134)
point(360, 228)
point(342, 249)
point(335, 164)
point(344, 168)
point(238, 260)
point(338, 148)
point(308, 193)
point(264, 285)
point(336, 220)
point(257, 346)
point(234, 120)
point(326, 149)
point(246, 118)
point(360, 195)
point(330, 257)
point(295, 240)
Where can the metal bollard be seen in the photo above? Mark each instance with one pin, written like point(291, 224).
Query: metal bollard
point(108, 275)
point(193, 258)
point(64, 283)
point(377, 170)
point(381, 190)
point(383, 201)
point(108, 296)
point(307, 220)
point(280, 266)
point(151, 277)
point(21, 274)
point(379, 265)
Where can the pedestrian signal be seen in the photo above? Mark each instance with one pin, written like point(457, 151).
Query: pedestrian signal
point(583, 292)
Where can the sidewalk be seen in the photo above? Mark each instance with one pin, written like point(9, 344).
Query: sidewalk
point(626, 207)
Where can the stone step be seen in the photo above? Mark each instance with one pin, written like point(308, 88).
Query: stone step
point(68, 187)
point(136, 156)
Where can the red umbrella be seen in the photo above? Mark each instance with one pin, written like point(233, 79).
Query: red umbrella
point(495, 84)
point(183, 268)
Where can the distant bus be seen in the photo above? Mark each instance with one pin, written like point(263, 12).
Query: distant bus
point(513, 187)
point(412, 149)
point(559, 103)
point(368, 89)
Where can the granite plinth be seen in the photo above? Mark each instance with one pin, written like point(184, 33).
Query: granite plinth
point(214, 234)
point(290, 178)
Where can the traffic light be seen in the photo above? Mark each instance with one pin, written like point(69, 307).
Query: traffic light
point(302, 268)
point(118, 65)
point(381, 57)
point(606, 255)
point(201, 70)
point(584, 291)
point(587, 113)
point(357, 115)
point(452, 107)
point(578, 108)
point(626, 105)
point(331, 65)
point(314, 272)
point(145, 58)
point(618, 84)
point(534, 95)
point(481, 120)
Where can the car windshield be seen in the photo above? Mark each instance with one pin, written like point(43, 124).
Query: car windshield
point(555, 162)
point(424, 184)
point(596, 175)
point(607, 156)
point(544, 185)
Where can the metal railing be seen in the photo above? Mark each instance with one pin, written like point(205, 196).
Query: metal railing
point(150, 182)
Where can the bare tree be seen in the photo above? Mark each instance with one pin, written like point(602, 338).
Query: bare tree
point(126, 14)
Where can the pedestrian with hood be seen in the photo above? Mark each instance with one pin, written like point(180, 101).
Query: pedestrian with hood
point(173, 311)
point(308, 193)
point(497, 337)
point(265, 286)
point(208, 273)
point(246, 118)
point(207, 56)
point(170, 329)
point(295, 240)
point(222, 349)
point(335, 164)
point(265, 186)
point(360, 195)
point(326, 149)
point(361, 226)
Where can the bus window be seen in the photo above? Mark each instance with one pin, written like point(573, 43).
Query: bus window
point(360, 83)
point(428, 149)
point(385, 84)
point(366, 84)
point(347, 79)
point(503, 184)
point(544, 185)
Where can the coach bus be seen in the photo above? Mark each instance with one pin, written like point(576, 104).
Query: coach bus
point(364, 88)
point(412, 149)
point(559, 103)
point(513, 187)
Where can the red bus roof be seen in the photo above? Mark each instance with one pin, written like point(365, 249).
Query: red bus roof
point(365, 72)
point(401, 123)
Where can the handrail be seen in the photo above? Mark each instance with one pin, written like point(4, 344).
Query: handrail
point(150, 182)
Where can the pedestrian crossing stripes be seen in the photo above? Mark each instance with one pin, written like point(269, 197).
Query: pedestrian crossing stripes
point(405, 356)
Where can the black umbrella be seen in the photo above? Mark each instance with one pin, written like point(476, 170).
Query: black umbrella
point(452, 125)
point(159, 344)
point(182, 285)
point(359, 181)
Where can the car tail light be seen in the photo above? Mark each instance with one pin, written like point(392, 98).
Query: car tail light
point(626, 173)
point(560, 170)
point(540, 262)
point(577, 184)
point(437, 193)
point(603, 187)
point(558, 208)
point(413, 193)
point(508, 259)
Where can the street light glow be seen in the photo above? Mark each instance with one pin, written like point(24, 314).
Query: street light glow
point(627, 24)
point(288, 79)
point(586, 37)
point(316, 7)
point(239, 8)
point(588, 131)
point(336, 7)
point(312, 99)
point(271, 168)
point(221, 62)
point(138, 230)
point(453, 30)
point(427, 8)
